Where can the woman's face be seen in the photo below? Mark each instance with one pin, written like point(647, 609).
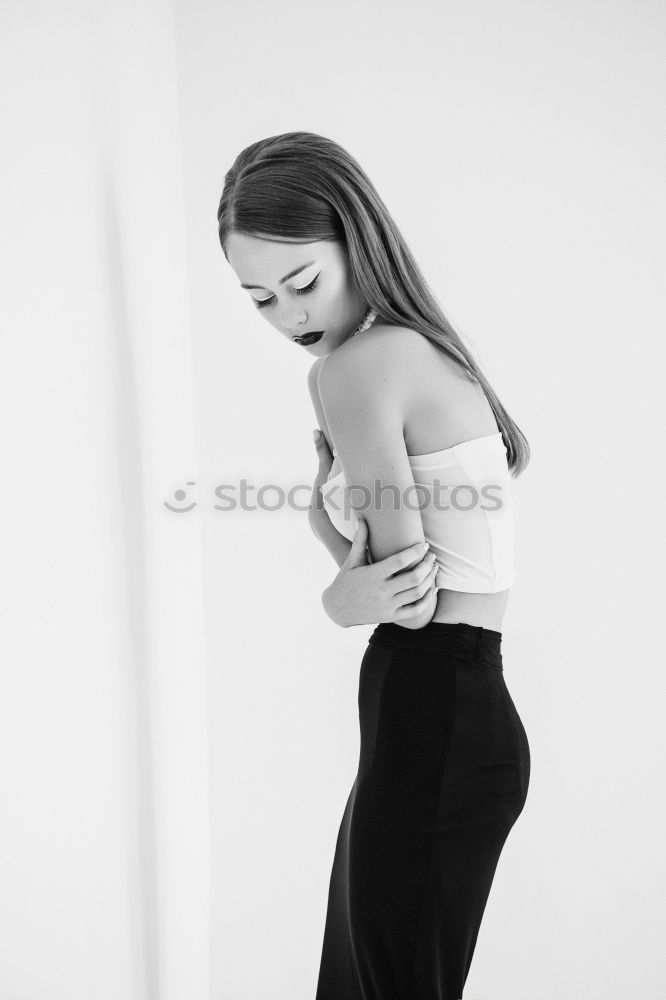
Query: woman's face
point(300, 288)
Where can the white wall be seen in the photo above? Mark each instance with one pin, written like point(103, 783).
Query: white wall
point(103, 768)
point(520, 148)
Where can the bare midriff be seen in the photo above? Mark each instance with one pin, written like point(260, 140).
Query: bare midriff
point(486, 610)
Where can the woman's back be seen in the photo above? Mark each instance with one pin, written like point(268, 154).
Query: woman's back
point(446, 408)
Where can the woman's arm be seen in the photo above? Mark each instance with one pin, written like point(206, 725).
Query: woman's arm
point(325, 531)
point(376, 601)
point(322, 527)
point(363, 393)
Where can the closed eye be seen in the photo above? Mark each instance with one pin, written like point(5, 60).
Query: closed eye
point(262, 303)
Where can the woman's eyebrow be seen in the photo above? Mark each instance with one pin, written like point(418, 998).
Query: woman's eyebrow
point(286, 277)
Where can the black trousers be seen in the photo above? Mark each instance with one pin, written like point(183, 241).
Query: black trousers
point(443, 775)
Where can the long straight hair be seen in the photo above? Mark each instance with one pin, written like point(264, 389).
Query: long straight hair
point(303, 187)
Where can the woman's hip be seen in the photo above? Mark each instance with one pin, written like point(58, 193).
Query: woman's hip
point(440, 733)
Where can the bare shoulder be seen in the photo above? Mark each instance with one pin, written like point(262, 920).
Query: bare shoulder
point(377, 346)
point(398, 370)
point(383, 354)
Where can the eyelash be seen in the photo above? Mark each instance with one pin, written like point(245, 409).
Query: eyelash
point(262, 303)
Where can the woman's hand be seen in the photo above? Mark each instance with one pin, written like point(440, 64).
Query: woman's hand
point(386, 591)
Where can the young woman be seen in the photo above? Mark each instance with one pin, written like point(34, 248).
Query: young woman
point(407, 414)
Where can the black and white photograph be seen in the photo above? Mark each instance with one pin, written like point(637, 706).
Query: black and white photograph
point(332, 404)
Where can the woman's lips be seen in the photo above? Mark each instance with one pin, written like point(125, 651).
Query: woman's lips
point(309, 338)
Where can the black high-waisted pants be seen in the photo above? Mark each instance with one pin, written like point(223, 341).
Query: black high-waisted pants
point(443, 775)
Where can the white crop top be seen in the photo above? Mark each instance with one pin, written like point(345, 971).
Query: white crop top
point(471, 534)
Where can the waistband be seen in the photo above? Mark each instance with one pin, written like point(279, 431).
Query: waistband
point(467, 642)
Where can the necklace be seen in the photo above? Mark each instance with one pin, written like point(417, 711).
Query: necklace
point(367, 321)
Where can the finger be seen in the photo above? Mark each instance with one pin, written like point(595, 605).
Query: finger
point(325, 460)
point(358, 555)
point(417, 590)
point(359, 539)
point(320, 442)
point(412, 610)
point(404, 559)
point(415, 576)
point(407, 565)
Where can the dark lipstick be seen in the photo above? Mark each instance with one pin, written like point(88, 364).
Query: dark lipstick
point(309, 338)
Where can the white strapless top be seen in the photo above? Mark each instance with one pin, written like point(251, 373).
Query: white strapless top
point(471, 534)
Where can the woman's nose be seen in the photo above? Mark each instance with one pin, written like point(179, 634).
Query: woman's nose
point(293, 318)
